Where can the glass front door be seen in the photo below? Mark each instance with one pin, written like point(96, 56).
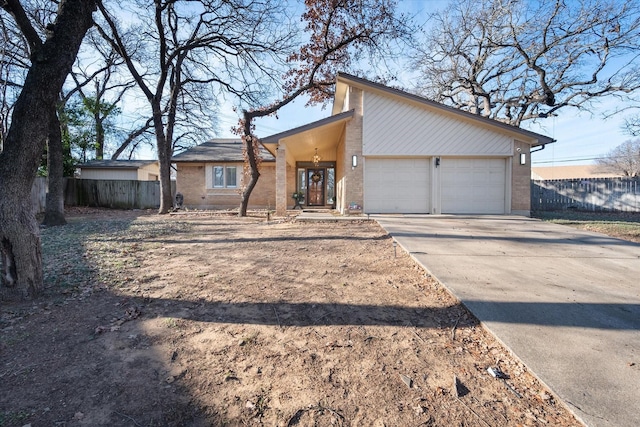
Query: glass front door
point(315, 187)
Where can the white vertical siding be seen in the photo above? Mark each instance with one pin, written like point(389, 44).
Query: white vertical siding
point(120, 174)
point(396, 128)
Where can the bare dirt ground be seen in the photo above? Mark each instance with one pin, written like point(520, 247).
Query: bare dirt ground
point(213, 320)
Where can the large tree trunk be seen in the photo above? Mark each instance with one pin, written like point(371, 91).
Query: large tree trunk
point(164, 159)
point(21, 274)
point(54, 210)
point(21, 270)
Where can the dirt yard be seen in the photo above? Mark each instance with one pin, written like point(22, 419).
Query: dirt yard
point(212, 320)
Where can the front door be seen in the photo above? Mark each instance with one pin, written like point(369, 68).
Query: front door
point(315, 187)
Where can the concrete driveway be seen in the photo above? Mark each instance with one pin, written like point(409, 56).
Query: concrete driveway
point(566, 302)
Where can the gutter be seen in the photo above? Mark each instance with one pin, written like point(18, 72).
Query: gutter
point(539, 148)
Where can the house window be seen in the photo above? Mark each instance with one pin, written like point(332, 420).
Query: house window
point(218, 176)
point(225, 177)
point(231, 177)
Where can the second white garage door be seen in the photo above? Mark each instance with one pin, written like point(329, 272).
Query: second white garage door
point(396, 185)
point(473, 186)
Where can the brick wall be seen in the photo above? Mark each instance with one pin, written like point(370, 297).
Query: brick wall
point(190, 181)
point(352, 181)
point(291, 185)
point(281, 178)
point(521, 180)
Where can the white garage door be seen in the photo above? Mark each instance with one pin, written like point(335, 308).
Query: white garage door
point(473, 186)
point(396, 185)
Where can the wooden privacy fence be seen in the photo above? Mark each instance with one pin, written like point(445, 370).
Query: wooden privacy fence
point(118, 194)
point(593, 194)
point(39, 194)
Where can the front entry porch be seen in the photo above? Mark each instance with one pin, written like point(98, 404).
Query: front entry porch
point(315, 185)
point(314, 163)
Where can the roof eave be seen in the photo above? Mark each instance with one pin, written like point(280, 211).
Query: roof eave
point(270, 142)
point(344, 80)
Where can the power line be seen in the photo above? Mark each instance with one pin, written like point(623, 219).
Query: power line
point(569, 160)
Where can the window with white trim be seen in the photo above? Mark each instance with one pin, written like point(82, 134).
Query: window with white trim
point(223, 176)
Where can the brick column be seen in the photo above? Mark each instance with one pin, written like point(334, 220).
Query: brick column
point(521, 181)
point(281, 179)
point(354, 177)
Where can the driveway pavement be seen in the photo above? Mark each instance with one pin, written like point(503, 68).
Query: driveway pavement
point(566, 302)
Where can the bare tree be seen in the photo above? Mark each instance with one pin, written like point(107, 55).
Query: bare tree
point(51, 61)
point(133, 139)
point(623, 159)
point(102, 102)
point(20, 61)
point(14, 64)
point(631, 125)
point(515, 61)
point(340, 35)
point(100, 76)
point(187, 49)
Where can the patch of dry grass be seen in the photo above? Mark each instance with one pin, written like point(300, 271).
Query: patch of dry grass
point(624, 226)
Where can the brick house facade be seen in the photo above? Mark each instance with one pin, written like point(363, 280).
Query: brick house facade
point(210, 176)
point(382, 150)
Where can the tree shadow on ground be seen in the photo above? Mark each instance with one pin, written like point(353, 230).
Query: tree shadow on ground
point(87, 352)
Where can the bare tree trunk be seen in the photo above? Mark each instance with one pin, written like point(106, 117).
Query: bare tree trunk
point(21, 270)
point(166, 197)
point(164, 159)
point(54, 209)
point(99, 139)
point(251, 143)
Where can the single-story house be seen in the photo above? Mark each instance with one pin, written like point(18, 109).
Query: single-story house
point(210, 176)
point(384, 150)
point(136, 170)
point(571, 172)
point(388, 151)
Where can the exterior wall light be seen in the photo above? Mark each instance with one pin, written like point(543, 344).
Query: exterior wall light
point(354, 161)
point(523, 158)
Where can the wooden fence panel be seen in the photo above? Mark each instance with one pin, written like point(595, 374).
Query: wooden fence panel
point(39, 194)
point(117, 194)
point(594, 194)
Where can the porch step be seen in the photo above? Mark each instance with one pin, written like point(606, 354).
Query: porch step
point(327, 215)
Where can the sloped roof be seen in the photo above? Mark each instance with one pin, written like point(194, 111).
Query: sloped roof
point(348, 79)
point(309, 126)
point(218, 150)
point(318, 134)
point(116, 164)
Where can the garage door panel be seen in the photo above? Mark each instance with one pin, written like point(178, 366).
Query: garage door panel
point(473, 186)
point(396, 185)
